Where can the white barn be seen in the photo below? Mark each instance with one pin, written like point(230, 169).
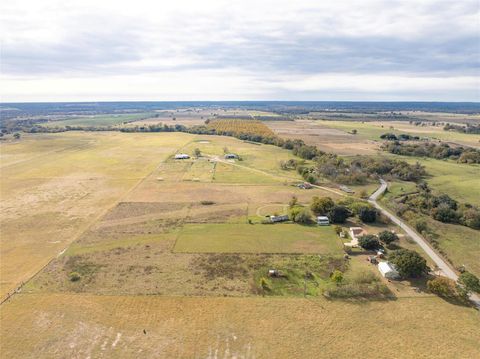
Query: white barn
point(388, 270)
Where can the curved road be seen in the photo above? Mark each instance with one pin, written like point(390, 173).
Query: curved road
point(439, 261)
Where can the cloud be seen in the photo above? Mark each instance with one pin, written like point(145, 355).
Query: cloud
point(430, 47)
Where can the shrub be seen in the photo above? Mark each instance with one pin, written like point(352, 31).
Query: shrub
point(368, 241)
point(387, 237)
point(443, 287)
point(264, 284)
point(293, 202)
point(300, 215)
point(74, 276)
point(337, 277)
point(470, 282)
point(367, 215)
point(207, 203)
point(409, 263)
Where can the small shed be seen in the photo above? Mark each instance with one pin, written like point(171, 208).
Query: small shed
point(279, 218)
point(181, 156)
point(231, 156)
point(304, 185)
point(388, 270)
point(323, 221)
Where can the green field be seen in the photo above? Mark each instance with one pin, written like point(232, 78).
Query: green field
point(259, 238)
point(460, 181)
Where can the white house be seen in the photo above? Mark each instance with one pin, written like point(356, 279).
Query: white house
point(388, 270)
point(181, 156)
point(323, 221)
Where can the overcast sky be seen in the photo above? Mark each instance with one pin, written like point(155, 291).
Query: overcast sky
point(240, 50)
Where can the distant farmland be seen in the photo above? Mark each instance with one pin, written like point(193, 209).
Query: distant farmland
point(238, 127)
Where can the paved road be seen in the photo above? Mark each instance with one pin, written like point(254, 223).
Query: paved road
point(439, 261)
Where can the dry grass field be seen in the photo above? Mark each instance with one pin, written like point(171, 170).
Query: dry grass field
point(326, 138)
point(160, 259)
point(93, 326)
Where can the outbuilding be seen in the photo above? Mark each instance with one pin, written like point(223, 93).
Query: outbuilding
point(388, 270)
point(323, 221)
point(279, 218)
point(181, 156)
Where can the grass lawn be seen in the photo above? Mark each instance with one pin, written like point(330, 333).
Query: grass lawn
point(259, 238)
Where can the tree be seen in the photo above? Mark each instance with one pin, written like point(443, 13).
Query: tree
point(321, 205)
point(197, 152)
point(300, 215)
point(339, 214)
point(354, 132)
point(387, 237)
point(16, 135)
point(368, 241)
point(367, 214)
point(409, 263)
point(469, 281)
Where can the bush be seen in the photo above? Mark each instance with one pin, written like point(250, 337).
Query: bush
point(387, 237)
point(300, 215)
point(367, 215)
point(339, 214)
point(207, 203)
point(409, 263)
point(369, 241)
point(74, 276)
point(469, 281)
point(337, 277)
point(443, 287)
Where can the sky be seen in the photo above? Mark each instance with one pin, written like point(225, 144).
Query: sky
point(366, 50)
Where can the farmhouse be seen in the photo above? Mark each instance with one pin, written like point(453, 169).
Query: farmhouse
point(275, 219)
point(388, 270)
point(231, 156)
point(323, 221)
point(181, 156)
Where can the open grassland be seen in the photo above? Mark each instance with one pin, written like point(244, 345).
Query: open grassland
point(54, 186)
point(99, 120)
point(155, 245)
point(327, 139)
point(373, 130)
point(67, 325)
point(260, 238)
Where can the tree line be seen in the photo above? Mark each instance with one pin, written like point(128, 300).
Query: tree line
point(433, 150)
